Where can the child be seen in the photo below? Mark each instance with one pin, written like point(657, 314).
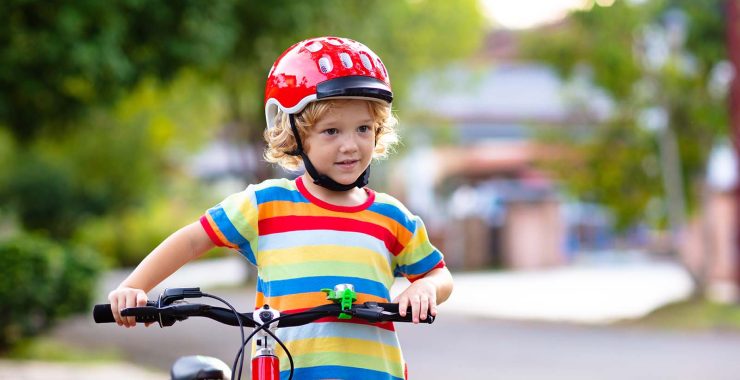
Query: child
point(327, 104)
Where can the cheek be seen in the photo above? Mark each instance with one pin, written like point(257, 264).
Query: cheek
point(369, 142)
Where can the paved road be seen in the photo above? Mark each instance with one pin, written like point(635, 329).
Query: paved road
point(464, 347)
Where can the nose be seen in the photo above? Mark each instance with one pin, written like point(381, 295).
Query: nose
point(349, 144)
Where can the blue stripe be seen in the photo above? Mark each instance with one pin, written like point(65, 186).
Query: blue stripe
point(246, 251)
point(394, 213)
point(315, 284)
point(337, 372)
point(223, 223)
point(424, 265)
point(277, 193)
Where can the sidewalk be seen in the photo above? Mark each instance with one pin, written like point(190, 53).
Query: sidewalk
point(586, 293)
point(32, 370)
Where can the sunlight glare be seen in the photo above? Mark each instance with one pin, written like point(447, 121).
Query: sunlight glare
point(522, 14)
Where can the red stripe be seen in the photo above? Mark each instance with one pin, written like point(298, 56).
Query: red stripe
point(210, 232)
point(280, 224)
point(369, 201)
point(383, 325)
point(441, 264)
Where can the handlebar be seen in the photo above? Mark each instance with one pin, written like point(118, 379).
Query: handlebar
point(169, 314)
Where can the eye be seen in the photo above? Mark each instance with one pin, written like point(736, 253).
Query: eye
point(364, 129)
point(330, 131)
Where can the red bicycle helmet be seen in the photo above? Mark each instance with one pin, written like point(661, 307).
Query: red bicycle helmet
point(324, 67)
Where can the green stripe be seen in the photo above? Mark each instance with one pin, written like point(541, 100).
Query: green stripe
point(231, 207)
point(343, 359)
point(322, 268)
point(275, 182)
point(417, 254)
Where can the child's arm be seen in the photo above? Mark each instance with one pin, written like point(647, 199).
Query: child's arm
point(184, 245)
point(425, 294)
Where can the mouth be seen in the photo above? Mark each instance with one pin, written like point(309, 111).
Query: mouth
point(346, 163)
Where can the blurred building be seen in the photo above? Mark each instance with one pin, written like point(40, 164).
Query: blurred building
point(483, 199)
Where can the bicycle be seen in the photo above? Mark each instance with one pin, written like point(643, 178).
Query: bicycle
point(170, 307)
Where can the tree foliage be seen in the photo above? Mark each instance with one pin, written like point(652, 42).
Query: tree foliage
point(619, 157)
point(60, 58)
point(105, 100)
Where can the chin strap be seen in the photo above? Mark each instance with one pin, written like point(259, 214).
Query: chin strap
point(324, 180)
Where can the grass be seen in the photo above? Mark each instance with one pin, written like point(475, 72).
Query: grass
point(46, 349)
point(693, 315)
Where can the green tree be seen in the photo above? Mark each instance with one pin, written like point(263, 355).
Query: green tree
point(105, 100)
point(619, 158)
point(60, 58)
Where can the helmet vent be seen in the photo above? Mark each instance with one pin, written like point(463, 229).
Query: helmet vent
point(382, 67)
point(346, 60)
point(335, 41)
point(366, 62)
point(314, 46)
point(325, 64)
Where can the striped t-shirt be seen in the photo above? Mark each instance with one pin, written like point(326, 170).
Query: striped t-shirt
point(301, 244)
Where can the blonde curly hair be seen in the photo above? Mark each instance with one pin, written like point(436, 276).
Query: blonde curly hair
point(281, 144)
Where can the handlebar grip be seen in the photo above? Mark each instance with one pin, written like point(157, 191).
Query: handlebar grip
point(392, 316)
point(102, 312)
point(429, 319)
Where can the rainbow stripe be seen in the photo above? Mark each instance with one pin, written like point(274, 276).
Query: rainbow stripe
point(301, 244)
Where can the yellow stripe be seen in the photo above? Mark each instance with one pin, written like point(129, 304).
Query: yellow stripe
point(246, 218)
point(357, 357)
point(328, 253)
point(343, 345)
point(419, 242)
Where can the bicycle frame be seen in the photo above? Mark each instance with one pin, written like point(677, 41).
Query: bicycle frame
point(265, 363)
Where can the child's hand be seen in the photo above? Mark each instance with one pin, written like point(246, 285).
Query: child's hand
point(122, 298)
point(422, 296)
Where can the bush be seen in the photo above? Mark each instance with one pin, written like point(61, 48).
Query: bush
point(126, 238)
point(42, 281)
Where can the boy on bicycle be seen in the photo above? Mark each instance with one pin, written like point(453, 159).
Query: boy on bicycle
point(328, 108)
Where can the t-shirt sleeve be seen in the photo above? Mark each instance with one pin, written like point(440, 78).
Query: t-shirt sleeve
point(419, 256)
point(233, 223)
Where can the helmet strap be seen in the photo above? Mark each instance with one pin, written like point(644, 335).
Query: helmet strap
point(324, 180)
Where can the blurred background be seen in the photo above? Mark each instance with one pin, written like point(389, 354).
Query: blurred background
point(575, 160)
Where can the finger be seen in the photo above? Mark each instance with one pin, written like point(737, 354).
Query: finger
point(433, 307)
point(122, 305)
point(114, 310)
point(403, 304)
point(415, 306)
point(131, 302)
point(141, 299)
point(423, 307)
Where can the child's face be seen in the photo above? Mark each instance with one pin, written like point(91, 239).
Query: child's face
point(341, 143)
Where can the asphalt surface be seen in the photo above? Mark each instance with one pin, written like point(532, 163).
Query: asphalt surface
point(551, 324)
point(462, 347)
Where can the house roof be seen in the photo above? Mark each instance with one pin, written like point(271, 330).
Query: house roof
point(505, 92)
